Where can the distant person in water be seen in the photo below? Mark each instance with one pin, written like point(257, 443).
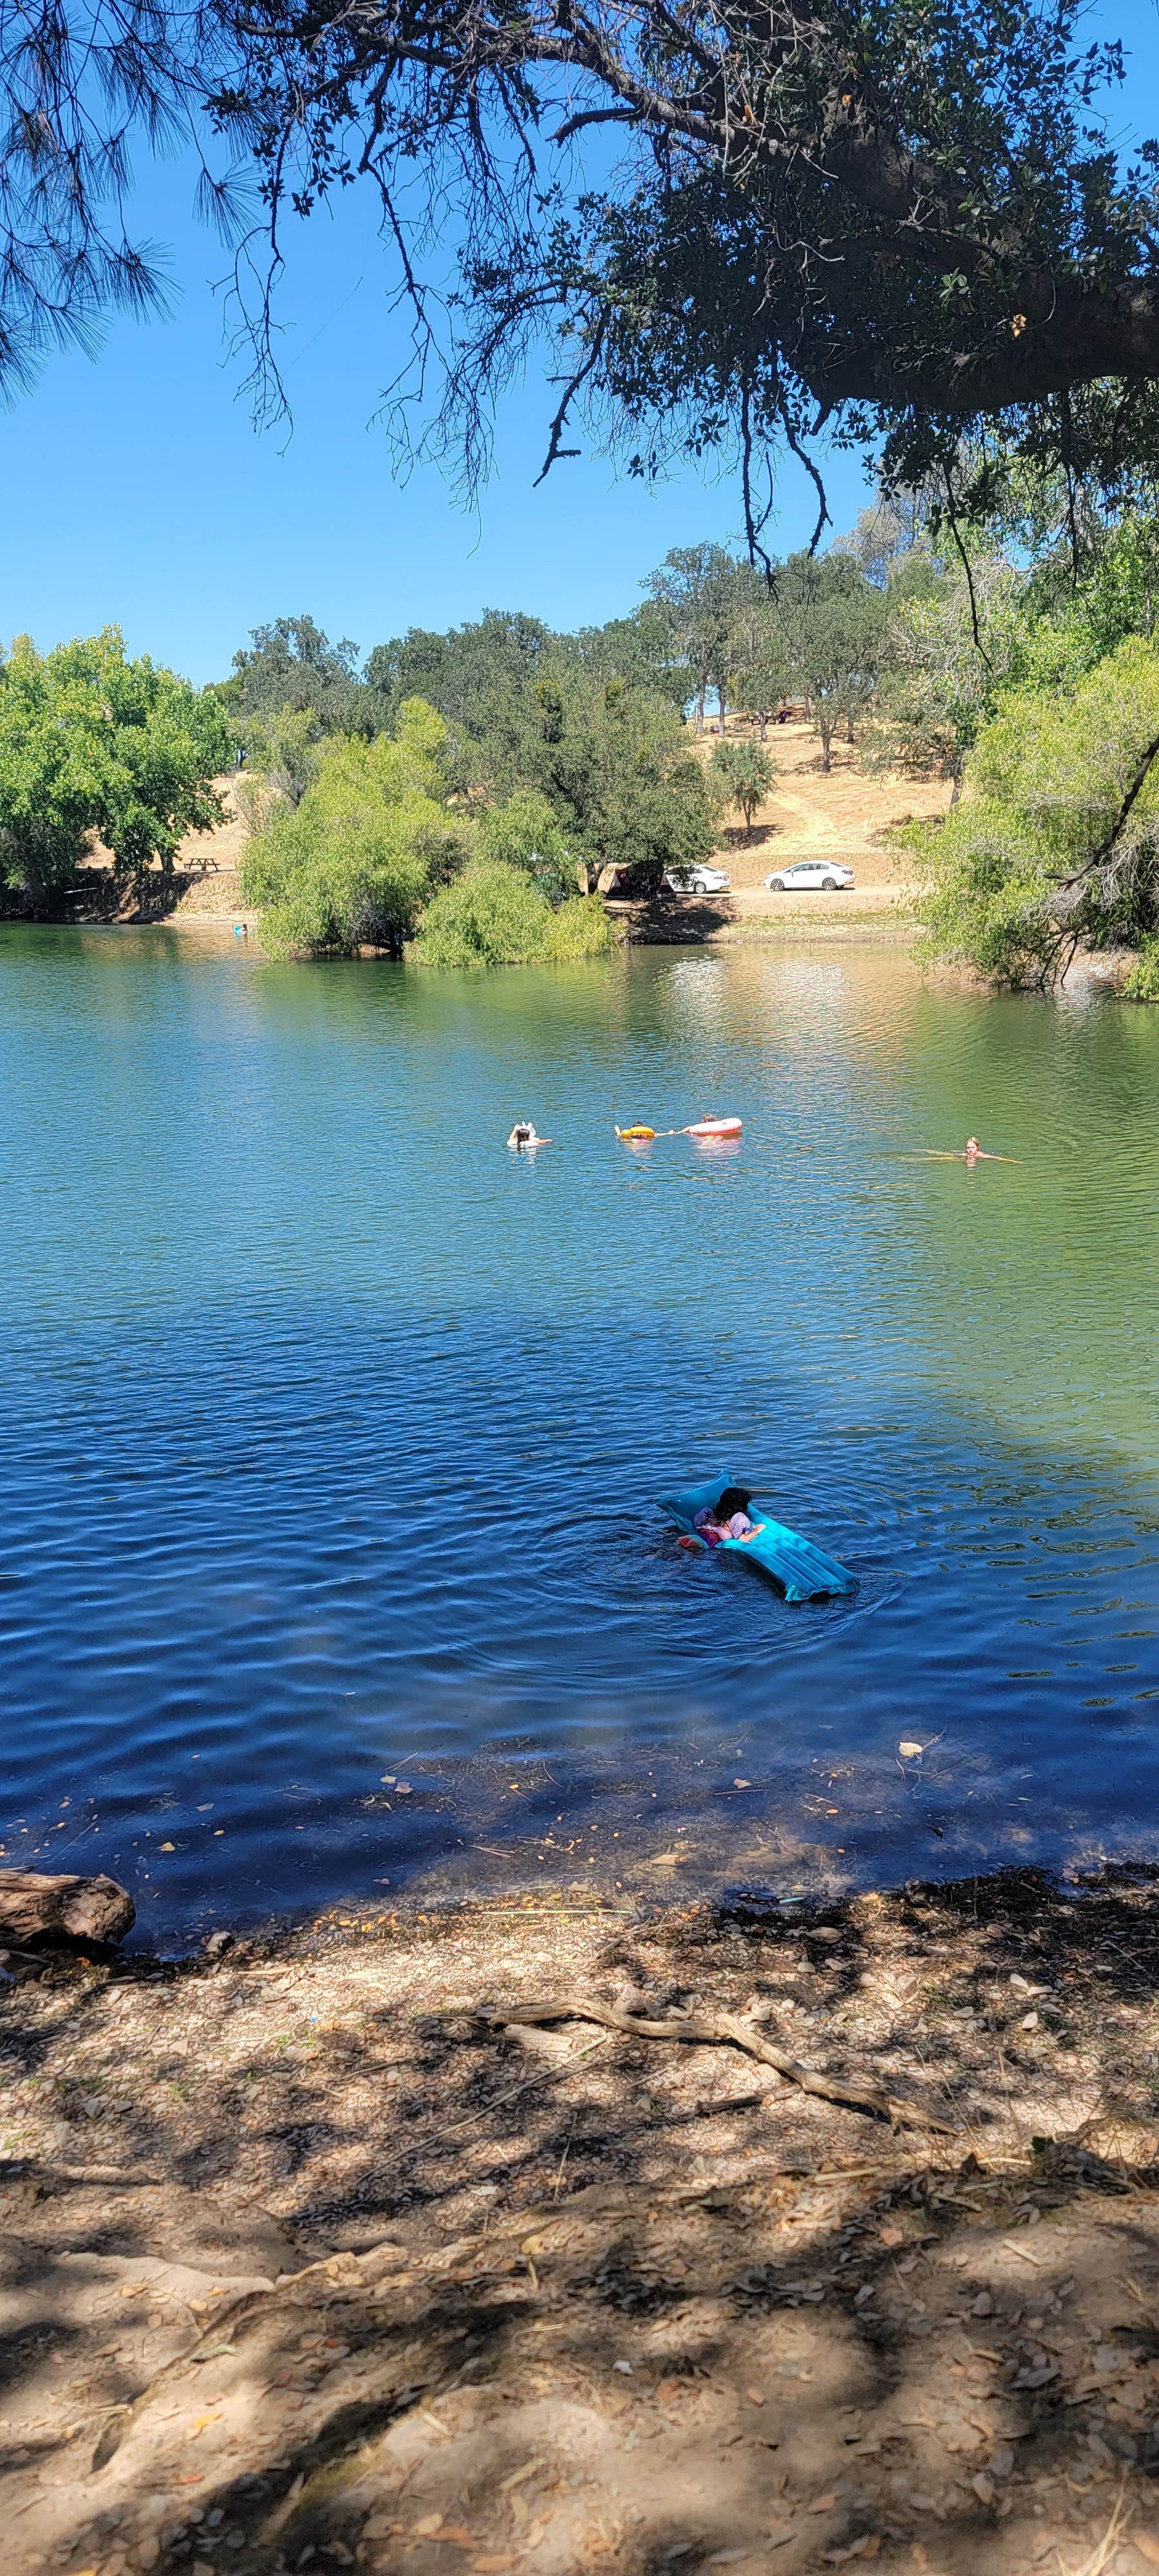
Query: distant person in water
point(969, 1155)
point(524, 1134)
point(729, 1518)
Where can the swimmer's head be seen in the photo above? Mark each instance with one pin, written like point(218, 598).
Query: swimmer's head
point(733, 1499)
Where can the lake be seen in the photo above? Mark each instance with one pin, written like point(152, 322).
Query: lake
point(331, 1430)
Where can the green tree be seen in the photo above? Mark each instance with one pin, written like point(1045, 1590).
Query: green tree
point(835, 640)
point(640, 650)
point(354, 861)
point(494, 915)
point(746, 774)
point(1120, 594)
point(523, 833)
point(281, 752)
point(888, 534)
point(952, 646)
point(622, 779)
point(758, 643)
point(481, 677)
point(1056, 841)
point(94, 741)
point(760, 686)
point(695, 589)
point(293, 668)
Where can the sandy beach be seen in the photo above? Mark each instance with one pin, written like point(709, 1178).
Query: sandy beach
point(314, 2253)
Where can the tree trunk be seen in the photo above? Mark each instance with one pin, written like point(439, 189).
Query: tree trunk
point(763, 725)
point(825, 729)
point(36, 1909)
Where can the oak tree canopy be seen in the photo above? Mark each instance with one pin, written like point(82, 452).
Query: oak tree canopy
point(720, 224)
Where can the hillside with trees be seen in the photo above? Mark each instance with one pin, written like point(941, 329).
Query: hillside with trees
point(476, 792)
point(932, 660)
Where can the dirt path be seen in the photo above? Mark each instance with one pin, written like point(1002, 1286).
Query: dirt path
point(362, 2276)
point(800, 822)
point(846, 815)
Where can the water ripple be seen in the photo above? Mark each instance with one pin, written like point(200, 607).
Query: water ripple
point(330, 1430)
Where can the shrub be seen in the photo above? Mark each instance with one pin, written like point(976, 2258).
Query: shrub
point(1142, 984)
point(1057, 839)
point(745, 774)
point(524, 833)
point(580, 928)
point(354, 862)
point(493, 916)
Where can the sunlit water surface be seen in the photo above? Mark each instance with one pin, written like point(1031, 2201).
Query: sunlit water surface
point(331, 1431)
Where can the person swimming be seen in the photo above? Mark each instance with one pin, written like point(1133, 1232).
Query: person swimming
point(728, 1518)
point(970, 1154)
point(523, 1135)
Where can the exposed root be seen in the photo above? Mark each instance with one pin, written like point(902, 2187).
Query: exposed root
point(111, 2177)
point(726, 2026)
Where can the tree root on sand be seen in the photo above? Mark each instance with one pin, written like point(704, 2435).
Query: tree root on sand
point(727, 2027)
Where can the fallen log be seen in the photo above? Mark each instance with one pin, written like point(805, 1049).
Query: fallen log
point(37, 1909)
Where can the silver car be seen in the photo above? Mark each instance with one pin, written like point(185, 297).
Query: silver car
point(810, 876)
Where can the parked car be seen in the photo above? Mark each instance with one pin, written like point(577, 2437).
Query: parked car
point(697, 879)
point(808, 876)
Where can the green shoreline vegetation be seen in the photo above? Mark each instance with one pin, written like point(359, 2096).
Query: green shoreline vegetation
point(470, 798)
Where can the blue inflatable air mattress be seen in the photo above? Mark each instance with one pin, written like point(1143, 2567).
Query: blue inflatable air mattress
point(802, 1570)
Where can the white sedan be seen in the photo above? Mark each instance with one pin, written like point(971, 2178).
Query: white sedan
point(822, 876)
point(698, 879)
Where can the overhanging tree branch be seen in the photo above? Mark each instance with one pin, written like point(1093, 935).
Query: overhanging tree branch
point(836, 206)
point(1094, 866)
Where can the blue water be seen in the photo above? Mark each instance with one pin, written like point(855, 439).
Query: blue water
point(330, 1430)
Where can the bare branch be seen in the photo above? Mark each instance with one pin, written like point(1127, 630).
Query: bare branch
point(571, 389)
point(803, 457)
point(967, 568)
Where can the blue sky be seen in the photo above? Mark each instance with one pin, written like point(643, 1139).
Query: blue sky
point(149, 499)
point(139, 491)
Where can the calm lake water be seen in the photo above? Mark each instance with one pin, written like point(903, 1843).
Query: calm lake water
point(330, 1429)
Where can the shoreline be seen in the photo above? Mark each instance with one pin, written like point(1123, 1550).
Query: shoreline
point(885, 925)
point(315, 2250)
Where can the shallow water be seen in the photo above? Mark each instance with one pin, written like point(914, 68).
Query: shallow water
point(330, 1429)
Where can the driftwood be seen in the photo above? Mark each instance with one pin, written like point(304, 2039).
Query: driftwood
point(36, 1909)
point(726, 2027)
